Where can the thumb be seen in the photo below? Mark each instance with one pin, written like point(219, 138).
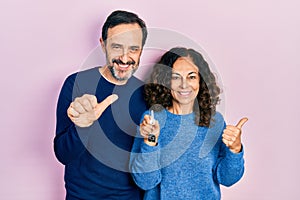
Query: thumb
point(242, 122)
point(100, 107)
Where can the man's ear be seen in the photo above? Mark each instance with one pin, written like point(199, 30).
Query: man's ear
point(102, 45)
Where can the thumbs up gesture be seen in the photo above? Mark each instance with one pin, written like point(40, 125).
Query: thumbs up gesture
point(84, 110)
point(232, 136)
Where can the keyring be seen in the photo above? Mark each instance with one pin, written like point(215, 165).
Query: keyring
point(151, 138)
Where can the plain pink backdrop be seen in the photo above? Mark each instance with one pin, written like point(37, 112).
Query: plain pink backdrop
point(254, 46)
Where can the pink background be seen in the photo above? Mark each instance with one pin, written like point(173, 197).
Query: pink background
point(255, 46)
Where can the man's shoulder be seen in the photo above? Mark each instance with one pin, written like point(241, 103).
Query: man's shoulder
point(82, 82)
point(135, 83)
point(136, 79)
point(91, 72)
point(83, 73)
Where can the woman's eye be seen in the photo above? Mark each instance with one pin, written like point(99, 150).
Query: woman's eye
point(175, 77)
point(193, 77)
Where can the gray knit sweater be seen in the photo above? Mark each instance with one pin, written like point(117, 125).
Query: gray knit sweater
point(189, 162)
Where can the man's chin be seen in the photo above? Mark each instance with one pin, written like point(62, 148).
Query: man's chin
point(123, 75)
point(121, 78)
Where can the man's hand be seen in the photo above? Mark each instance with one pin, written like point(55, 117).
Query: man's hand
point(84, 110)
point(232, 136)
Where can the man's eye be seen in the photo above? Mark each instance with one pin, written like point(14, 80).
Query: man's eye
point(134, 49)
point(116, 47)
point(193, 77)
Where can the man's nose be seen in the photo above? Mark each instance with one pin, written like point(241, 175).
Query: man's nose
point(124, 56)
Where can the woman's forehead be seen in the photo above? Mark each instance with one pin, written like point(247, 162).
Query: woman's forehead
point(184, 65)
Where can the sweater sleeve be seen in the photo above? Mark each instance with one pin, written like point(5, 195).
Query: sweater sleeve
point(229, 167)
point(67, 143)
point(145, 163)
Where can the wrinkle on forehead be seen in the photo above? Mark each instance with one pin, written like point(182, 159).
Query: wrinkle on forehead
point(125, 34)
point(184, 66)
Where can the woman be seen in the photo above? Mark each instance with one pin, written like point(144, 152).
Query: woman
point(184, 150)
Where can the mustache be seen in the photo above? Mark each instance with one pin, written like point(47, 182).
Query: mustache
point(118, 61)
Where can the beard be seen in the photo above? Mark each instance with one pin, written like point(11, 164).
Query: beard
point(115, 72)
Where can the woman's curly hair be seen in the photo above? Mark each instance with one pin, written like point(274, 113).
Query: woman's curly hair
point(157, 91)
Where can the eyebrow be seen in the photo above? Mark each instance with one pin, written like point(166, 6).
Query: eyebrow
point(116, 44)
point(121, 45)
point(135, 46)
point(180, 74)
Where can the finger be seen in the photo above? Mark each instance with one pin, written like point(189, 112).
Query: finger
point(100, 107)
point(72, 113)
point(226, 142)
point(242, 122)
point(232, 130)
point(144, 130)
point(92, 99)
point(81, 123)
point(144, 135)
point(77, 107)
point(144, 123)
point(86, 104)
point(147, 128)
point(147, 119)
point(230, 139)
point(227, 137)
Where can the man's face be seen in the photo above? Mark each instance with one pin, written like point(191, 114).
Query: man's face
point(123, 49)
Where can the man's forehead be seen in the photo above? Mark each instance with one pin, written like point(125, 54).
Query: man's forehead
point(126, 34)
point(124, 30)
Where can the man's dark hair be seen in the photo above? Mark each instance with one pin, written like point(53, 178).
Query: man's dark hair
point(123, 17)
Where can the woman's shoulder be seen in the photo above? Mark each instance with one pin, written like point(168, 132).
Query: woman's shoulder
point(218, 117)
point(217, 121)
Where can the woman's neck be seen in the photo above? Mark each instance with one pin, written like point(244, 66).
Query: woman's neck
point(180, 109)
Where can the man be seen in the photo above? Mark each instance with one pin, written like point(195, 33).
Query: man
point(97, 113)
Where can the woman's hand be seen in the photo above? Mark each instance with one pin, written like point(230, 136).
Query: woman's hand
point(150, 131)
point(232, 136)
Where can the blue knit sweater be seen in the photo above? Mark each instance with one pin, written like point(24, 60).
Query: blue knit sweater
point(189, 162)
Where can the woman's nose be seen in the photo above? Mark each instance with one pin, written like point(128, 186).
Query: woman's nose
point(183, 83)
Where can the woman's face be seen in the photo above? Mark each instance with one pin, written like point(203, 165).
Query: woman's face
point(184, 82)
